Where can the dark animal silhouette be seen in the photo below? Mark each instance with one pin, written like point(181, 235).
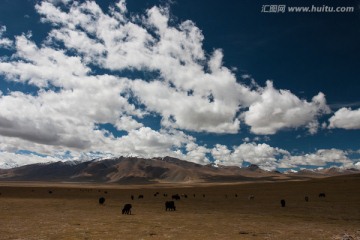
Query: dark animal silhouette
point(306, 198)
point(170, 205)
point(203, 195)
point(165, 194)
point(50, 192)
point(101, 200)
point(127, 209)
point(132, 197)
point(321, 195)
point(251, 197)
point(236, 195)
point(175, 197)
point(141, 197)
point(282, 202)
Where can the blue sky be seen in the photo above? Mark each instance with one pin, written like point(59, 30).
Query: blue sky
point(220, 83)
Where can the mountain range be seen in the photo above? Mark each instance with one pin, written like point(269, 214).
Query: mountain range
point(132, 170)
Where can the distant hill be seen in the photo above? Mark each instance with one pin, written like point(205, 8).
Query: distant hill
point(326, 172)
point(131, 170)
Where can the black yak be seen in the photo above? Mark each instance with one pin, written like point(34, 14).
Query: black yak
point(127, 209)
point(170, 205)
point(175, 197)
point(101, 200)
point(321, 195)
point(141, 197)
point(282, 202)
point(306, 198)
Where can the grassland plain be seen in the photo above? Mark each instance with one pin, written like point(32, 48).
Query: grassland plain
point(217, 211)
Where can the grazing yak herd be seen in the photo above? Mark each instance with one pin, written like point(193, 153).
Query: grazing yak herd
point(170, 205)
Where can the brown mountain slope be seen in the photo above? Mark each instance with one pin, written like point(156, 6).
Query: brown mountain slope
point(139, 170)
point(134, 170)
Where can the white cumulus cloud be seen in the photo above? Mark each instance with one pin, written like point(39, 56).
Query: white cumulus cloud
point(4, 42)
point(280, 109)
point(260, 154)
point(345, 118)
point(320, 158)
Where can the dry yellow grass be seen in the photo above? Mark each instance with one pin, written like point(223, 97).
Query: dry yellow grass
point(28, 211)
